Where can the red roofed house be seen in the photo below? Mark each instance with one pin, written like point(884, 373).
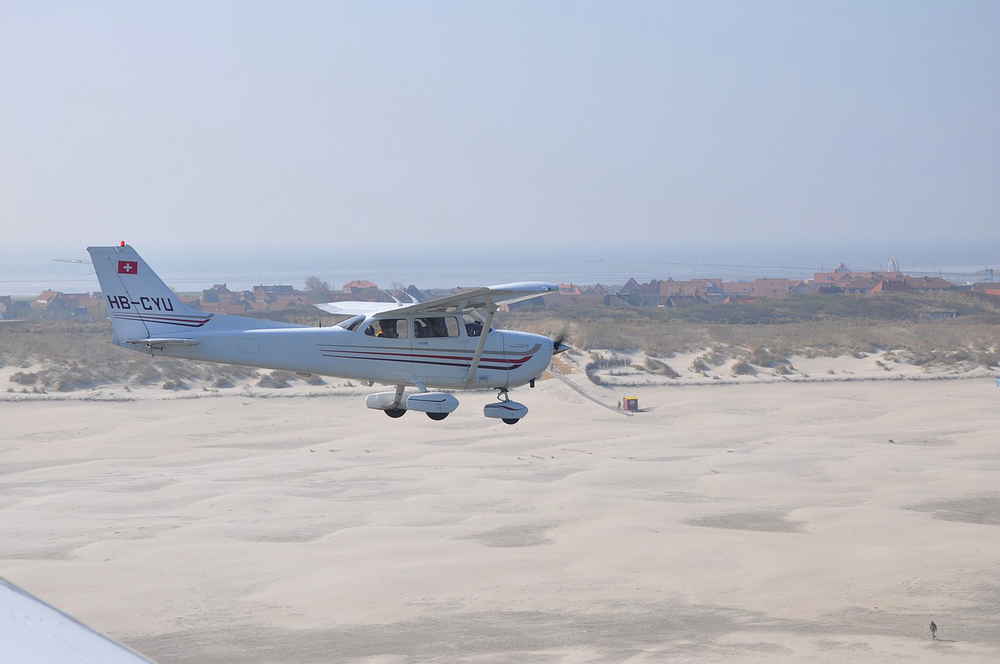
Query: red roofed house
point(744, 288)
point(365, 290)
point(992, 288)
point(45, 298)
point(772, 287)
point(913, 285)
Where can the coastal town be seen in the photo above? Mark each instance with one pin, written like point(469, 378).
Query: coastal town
point(656, 293)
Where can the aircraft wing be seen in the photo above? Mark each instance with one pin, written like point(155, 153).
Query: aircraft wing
point(357, 308)
point(478, 298)
point(34, 632)
point(471, 298)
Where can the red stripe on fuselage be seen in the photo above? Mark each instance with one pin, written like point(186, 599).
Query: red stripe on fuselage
point(399, 359)
point(521, 360)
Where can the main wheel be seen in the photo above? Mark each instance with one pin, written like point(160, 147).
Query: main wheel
point(511, 420)
point(437, 416)
point(395, 412)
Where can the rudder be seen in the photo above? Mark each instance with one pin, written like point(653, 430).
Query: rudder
point(138, 303)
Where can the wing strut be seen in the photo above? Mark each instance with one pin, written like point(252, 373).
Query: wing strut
point(482, 344)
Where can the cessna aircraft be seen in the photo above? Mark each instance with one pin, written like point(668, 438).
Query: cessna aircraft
point(447, 342)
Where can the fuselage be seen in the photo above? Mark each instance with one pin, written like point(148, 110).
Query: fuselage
point(509, 358)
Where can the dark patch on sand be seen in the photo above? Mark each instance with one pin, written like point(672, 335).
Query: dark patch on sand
point(11, 468)
point(512, 536)
point(983, 510)
point(295, 535)
point(775, 522)
point(681, 497)
point(661, 631)
point(536, 472)
point(521, 636)
point(37, 554)
point(659, 459)
point(922, 442)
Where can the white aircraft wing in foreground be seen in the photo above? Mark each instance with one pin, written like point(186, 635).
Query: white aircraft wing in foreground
point(34, 632)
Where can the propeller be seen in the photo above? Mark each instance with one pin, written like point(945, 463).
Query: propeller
point(558, 345)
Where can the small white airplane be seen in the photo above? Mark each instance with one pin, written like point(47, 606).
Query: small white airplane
point(447, 342)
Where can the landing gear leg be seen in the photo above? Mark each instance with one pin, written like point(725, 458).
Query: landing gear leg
point(397, 410)
point(503, 397)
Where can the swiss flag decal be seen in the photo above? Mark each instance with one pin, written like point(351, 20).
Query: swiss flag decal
point(128, 267)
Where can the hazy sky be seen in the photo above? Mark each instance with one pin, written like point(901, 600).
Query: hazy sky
point(501, 126)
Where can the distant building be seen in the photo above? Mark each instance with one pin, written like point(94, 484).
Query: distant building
point(682, 301)
point(815, 288)
point(572, 295)
point(641, 295)
point(991, 288)
point(44, 299)
point(363, 290)
point(11, 309)
point(744, 288)
point(54, 305)
point(229, 307)
point(773, 288)
point(842, 275)
point(689, 288)
point(913, 285)
point(859, 286)
point(275, 291)
point(217, 293)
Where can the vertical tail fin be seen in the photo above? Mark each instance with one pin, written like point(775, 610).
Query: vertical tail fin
point(139, 304)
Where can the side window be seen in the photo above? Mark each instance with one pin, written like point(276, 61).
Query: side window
point(473, 327)
point(437, 326)
point(388, 328)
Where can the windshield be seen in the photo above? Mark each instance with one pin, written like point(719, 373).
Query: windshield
point(350, 323)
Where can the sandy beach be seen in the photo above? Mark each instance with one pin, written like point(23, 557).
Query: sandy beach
point(822, 522)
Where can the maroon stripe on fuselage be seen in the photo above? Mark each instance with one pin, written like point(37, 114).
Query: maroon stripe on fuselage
point(441, 364)
point(521, 360)
point(163, 320)
point(184, 319)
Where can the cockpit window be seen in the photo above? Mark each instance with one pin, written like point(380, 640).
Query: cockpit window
point(388, 328)
point(473, 326)
point(351, 323)
point(436, 326)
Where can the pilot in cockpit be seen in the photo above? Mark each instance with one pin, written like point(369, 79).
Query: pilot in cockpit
point(474, 328)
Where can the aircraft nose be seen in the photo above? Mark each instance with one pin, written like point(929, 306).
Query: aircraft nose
point(558, 345)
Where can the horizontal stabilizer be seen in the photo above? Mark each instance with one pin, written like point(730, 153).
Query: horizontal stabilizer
point(162, 342)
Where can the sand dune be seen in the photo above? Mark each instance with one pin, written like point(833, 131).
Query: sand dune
point(745, 523)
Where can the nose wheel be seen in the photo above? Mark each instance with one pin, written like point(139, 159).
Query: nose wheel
point(505, 410)
point(395, 412)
